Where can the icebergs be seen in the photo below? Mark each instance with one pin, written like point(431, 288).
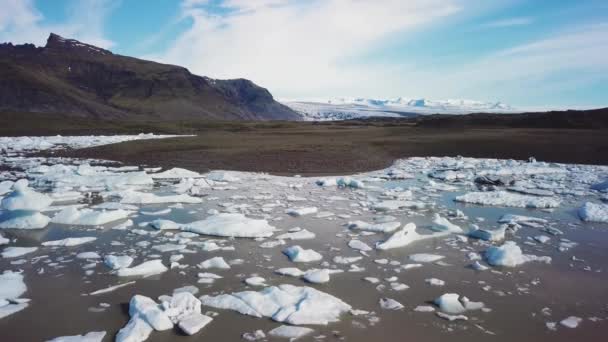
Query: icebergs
point(441, 224)
point(23, 207)
point(146, 268)
point(93, 336)
point(68, 242)
point(290, 332)
point(89, 217)
point(390, 304)
point(15, 252)
point(359, 245)
point(301, 211)
point(384, 227)
point(230, 225)
point(215, 262)
point(182, 309)
point(571, 322)
point(284, 303)
point(299, 254)
point(136, 197)
point(594, 212)
point(508, 199)
point(302, 234)
point(404, 237)
point(425, 257)
point(162, 224)
point(454, 304)
point(24, 198)
point(510, 255)
point(520, 219)
point(397, 204)
point(175, 173)
point(489, 234)
point(11, 288)
point(117, 262)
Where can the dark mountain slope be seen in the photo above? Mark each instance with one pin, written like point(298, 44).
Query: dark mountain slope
point(81, 80)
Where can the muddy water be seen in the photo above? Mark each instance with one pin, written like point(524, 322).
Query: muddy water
point(516, 296)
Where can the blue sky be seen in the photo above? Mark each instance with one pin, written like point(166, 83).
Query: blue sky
point(528, 53)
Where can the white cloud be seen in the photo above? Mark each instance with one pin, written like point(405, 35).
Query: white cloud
point(21, 22)
point(296, 48)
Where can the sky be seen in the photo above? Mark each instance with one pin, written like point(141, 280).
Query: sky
point(527, 53)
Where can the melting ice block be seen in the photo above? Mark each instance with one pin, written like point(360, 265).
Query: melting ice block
point(284, 303)
point(230, 225)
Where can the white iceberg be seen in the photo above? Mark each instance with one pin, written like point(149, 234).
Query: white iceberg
point(146, 268)
point(510, 255)
point(68, 242)
point(594, 212)
point(508, 199)
point(230, 225)
point(299, 254)
point(284, 303)
point(89, 217)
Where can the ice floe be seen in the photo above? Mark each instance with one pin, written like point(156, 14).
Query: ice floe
point(284, 303)
point(230, 225)
point(511, 255)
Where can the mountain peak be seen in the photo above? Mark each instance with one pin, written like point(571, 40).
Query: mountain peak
point(57, 42)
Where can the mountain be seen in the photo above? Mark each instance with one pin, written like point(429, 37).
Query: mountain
point(81, 80)
point(353, 108)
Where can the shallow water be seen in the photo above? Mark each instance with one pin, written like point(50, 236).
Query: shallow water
point(60, 304)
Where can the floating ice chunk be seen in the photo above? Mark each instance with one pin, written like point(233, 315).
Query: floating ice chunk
point(94, 336)
point(390, 304)
point(452, 303)
point(208, 278)
point(24, 220)
point(136, 330)
point(290, 332)
point(223, 176)
point(520, 219)
point(284, 303)
point(136, 197)
point(290, 271)
point(6, 187)
point(146, 268)
point(68, 242)
point(4, 241)
point(215, 262)
point(327, 182)
point(542, 238)
point(15, 252)
point(9, 309)
point(299, 235)
point(254, 336)
point(168, 247)
point(397, 204)
point(478, 267)
point(162, 224)
point(111, 288)
point(230, 225)
point(508, 199)
point(399, 286)
point(157, 212)
point(384, 227)
point(489, 235)
point(510, 255)
point(117, 262)
point(424, 308)
point(11, 285)
point(301, 211)
point(441, 224)
point(425, 257)
point(571, 322)
point(435, 282)
point(150, 312)
point(88, 255)
point(404, 237)
point(349, 182)
point(359, 245)
point(346, 260)
point(255, 281)
point(175, 173)
point(592, 212)
point(88, 217)
point(24, 198)
point(194, 322)
point(316, 276)
point(299, 254)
